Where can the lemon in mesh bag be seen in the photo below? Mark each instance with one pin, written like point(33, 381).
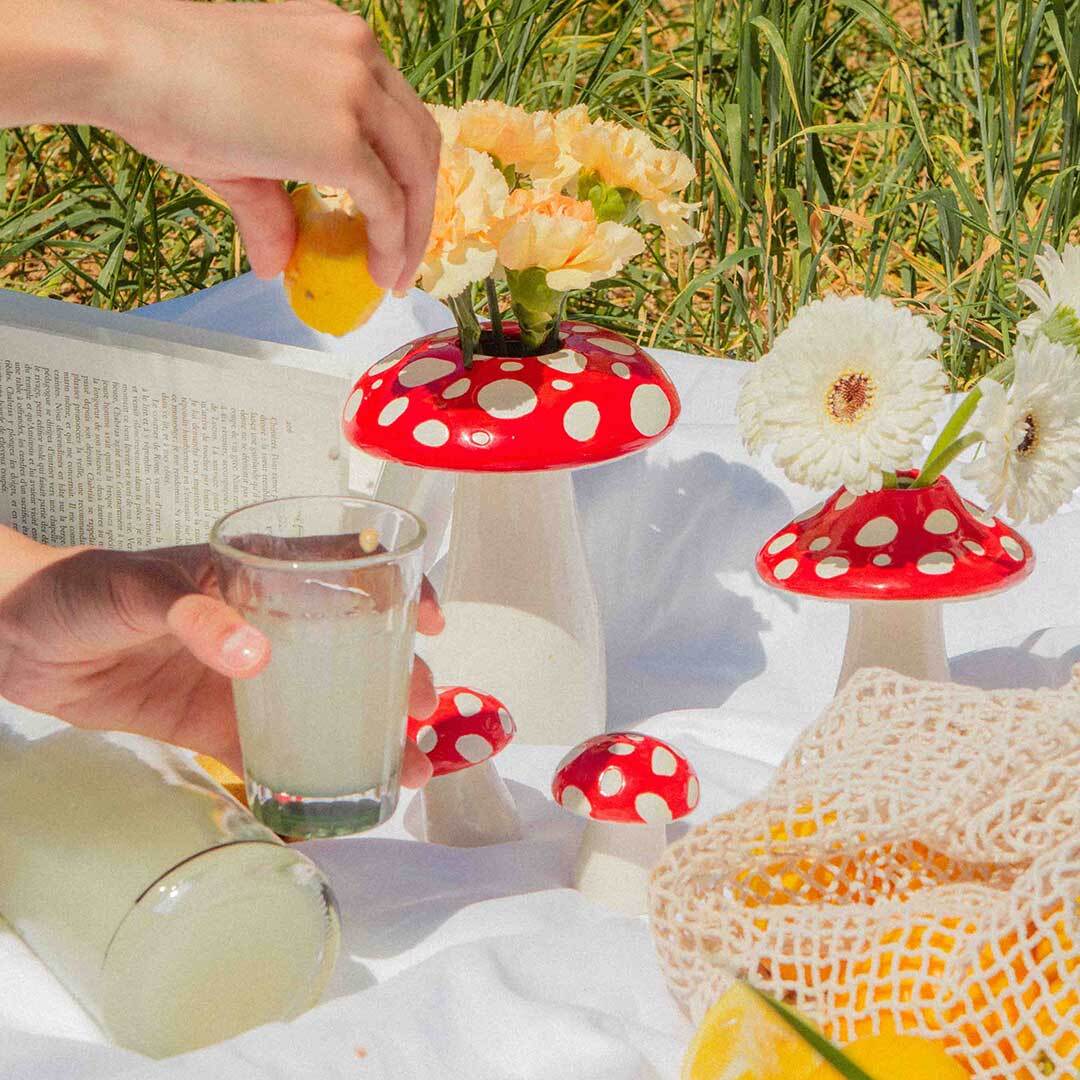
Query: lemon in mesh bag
point(913, 870)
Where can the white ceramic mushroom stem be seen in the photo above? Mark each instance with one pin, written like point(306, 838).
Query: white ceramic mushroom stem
point(522, 619)
point(906, 636)
point(615, 862)
point(469, 808)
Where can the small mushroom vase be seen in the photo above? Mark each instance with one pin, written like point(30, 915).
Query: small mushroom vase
point(629, 786)
point(466, 803)
point(522, 618)
point(895, 557)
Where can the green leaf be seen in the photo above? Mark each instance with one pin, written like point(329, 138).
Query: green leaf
point(776, 43)
point(609, 203)
point(829, 1051)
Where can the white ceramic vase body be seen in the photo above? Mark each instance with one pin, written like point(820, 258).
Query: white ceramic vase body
point(907, 636)
point(522, 621)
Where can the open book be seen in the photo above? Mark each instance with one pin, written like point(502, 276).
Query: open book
point(143, 435)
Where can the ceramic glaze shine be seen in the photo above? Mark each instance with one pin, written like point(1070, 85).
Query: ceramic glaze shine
point(353, 742)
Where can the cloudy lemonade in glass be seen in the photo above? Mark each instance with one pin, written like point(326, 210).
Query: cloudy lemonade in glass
point(333, 583)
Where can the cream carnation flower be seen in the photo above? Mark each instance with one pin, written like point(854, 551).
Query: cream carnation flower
point(525, 140)
point(848, 393)
point(471, 193)
point(1058, 315)
point(625, 158)
point(1029, 464)
point(562, 236)
point(568, 122)
point(449, 123)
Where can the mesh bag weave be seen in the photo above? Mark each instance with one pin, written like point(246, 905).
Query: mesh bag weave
point(913, 867)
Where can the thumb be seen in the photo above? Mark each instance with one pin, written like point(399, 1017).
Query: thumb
point(96, 602)
point(218, 636)
point(264, 215)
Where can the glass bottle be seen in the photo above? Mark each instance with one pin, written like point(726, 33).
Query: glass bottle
point(174, 917)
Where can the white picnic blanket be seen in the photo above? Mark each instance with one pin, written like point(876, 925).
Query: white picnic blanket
point(483, 964)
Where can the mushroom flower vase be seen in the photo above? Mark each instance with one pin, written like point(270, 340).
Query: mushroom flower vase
point(521, 614)
point(852, 393)
point(895, 556)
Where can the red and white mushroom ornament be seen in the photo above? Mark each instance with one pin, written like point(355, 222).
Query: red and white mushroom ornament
point(896, 556)
point(521, 615)
point(466, 803)
point(599, 397)
point(630, 786)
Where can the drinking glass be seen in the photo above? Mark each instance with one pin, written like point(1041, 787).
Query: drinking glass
point(333, 582)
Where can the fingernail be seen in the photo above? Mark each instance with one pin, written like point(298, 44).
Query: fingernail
point(243, 648)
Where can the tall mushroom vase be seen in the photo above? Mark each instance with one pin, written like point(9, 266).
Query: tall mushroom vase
point(522, 619)
point(896, 556)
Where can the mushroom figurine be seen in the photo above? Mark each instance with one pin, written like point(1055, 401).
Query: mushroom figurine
point(629, 786)
point(895, 556)
point(466, 803)
point(521, 614)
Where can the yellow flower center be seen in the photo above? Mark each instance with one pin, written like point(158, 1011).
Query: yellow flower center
point(1030, 441)
point(850, 395)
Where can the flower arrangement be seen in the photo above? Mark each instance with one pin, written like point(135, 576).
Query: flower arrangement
point(547, 203)
point(851, 390)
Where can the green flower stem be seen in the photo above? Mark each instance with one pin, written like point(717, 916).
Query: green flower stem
point(538, 309)
point(889, 481)
point(950, 433)
point(828, 1050)
point(935, 466)
point(495, 315)
point(468, 324)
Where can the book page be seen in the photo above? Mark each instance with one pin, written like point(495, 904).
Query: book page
point(106, 439)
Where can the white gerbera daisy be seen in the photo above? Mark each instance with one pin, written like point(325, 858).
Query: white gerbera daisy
point(848, 392)
point(1058, 315)
point(1030, 462)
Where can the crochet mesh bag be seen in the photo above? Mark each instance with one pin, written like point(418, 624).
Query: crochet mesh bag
point(913, 867)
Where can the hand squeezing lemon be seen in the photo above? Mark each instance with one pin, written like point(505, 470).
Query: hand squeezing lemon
point(327, 279)
point(744, 1038)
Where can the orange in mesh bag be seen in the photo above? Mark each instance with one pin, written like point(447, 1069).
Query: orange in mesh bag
point(913, 867)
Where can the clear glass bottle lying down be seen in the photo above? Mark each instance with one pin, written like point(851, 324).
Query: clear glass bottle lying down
point(174, 917)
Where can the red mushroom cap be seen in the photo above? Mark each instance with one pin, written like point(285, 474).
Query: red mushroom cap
point(599, 397)
point(628, 777)
point(467, 727)
point(898, 544)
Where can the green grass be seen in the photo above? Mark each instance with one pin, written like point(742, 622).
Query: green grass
point(924, 150)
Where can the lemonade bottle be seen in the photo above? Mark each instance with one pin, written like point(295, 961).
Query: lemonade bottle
point(174, 917)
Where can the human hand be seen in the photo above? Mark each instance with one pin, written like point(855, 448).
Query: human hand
point(142, 642)
point(246, 95)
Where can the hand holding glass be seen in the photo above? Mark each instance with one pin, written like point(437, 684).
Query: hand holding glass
point(334, 584)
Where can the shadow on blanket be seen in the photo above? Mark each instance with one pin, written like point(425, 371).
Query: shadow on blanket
point(671, 546)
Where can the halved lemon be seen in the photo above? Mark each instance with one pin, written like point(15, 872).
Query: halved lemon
point(327, 279)
point(741, 1038)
